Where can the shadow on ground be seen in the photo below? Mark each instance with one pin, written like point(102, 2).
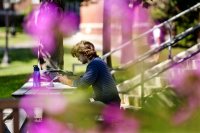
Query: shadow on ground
point(11, 83)
point(19, 54)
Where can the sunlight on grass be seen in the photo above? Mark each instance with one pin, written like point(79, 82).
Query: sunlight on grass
point(18, 39)
point(17, 68)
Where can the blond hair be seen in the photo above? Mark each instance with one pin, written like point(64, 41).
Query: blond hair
point(84, 47)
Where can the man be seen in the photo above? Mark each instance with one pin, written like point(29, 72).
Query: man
point(97, 74)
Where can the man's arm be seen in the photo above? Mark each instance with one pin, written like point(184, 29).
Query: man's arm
point(89, 77)
point(65, 80)
point(85, 81)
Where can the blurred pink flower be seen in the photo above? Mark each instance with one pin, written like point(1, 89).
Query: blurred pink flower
point(185, 82)
point(118, 122)
point(185, 112)
point(48, 20)
point(186, 86)
point(69, 23)
point(48, 126)
point(43, 20)
point(50, 103)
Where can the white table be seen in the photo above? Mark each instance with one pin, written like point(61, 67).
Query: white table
point(45, 88)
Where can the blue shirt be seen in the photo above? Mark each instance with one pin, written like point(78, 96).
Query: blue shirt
point(98, 75)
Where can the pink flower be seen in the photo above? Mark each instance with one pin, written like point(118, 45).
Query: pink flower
point(69, 23)
point(49, 20)
point(185, 112)
point(186, 86)
point(48, 126)
point(117, 122)
point(50, 103)
point(185, 82)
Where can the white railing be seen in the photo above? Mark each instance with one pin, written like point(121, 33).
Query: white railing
point(160, 48)
point(151, 30)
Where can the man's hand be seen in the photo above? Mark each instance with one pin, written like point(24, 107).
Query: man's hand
point(65, 80)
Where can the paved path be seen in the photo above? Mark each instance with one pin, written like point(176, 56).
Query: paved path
point(95, 39)
point(70, 41)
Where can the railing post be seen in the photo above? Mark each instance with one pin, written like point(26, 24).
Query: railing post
point(16, 120)
point(1, 121)
point(169, 27)
point(142, 84)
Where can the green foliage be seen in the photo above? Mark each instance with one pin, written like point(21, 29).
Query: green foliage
point(163, 10)
point(160, 10)
point(79, 111)
point(183, 23)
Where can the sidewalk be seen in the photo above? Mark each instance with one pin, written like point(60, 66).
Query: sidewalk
point(97, 40)
point(68, 41)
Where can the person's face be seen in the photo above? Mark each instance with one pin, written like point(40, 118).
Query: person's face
point(82, 59)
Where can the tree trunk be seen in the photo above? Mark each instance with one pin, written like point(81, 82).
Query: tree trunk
point(127, 52)
point(52, 58)
point(58, 55)
point(107, 30)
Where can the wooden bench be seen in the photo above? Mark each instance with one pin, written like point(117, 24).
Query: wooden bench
point(11, 116)
point(9, 109)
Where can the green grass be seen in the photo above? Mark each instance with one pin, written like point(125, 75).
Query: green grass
point(11, 83)
point(19, 38)
point(14, 75)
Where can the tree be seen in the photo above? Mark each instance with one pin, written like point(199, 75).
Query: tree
point(107, 30)
point(165, 9)
point(54, 59)
point(127, 52)
point(51, 51)
point(125, 24)
point(125, 8)
point(126, 30)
